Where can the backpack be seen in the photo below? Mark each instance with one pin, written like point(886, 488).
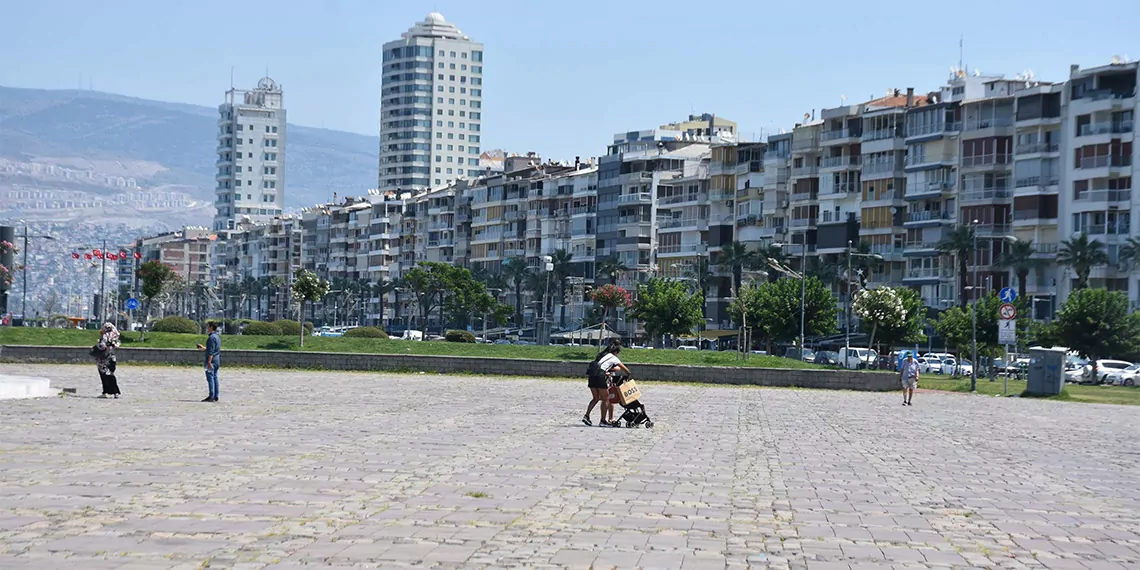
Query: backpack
point(594, 372)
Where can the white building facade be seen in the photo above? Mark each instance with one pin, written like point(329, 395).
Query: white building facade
point(251, 156)
point(431, 107)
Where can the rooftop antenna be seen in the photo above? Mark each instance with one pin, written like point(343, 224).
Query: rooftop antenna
point(231, 77)
point(961, 38)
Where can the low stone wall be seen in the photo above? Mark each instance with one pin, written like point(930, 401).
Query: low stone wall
point(826, 379)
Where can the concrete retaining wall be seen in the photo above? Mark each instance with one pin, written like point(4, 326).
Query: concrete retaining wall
point(827, 379)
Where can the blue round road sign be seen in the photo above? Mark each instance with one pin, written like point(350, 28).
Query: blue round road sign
point(132, 303)
point(1007, 295)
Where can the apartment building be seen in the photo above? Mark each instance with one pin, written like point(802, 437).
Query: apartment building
point(1098, 155)
point(187, 252)
point(772, 219)
point(803, 181)
point(251, 155)
point(431, 107)
point(269, 252)
point(1036, 193)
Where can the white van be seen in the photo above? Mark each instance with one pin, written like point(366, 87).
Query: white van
point(856, 358)
point(412, 335)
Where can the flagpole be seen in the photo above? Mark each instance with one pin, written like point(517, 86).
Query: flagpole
point(103, 284)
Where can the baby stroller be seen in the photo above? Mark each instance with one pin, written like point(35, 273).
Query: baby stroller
point(634, 415)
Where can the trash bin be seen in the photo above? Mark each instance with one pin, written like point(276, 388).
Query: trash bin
point(1046, 371)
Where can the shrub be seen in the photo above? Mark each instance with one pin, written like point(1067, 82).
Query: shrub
point(233, 326)
point(293, 328)
point(261, 328)
point(459, 336)
point(365, 332)
point(176, 325)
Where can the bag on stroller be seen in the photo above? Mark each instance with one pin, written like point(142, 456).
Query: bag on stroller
point(635, 415)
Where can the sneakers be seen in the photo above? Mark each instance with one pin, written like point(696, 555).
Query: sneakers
point(586, 420)
point(209, 399)
point(103, 396)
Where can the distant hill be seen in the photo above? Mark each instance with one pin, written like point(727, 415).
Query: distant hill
point(171, 143)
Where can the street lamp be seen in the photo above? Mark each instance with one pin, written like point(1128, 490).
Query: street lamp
point(850, 298)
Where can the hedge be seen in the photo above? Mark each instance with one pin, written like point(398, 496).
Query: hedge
point(261, 328)
point(365, 332)
point(293, 328)
point(459, 336)
point(176, 324)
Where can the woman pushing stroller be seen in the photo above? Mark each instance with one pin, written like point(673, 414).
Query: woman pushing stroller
point(598, 377)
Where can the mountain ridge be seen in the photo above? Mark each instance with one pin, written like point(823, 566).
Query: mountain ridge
point(69, 126)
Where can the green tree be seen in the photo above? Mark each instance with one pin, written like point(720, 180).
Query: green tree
point(1018, 256)
point(894, 314)
point(957, 327)
point(157, 278)
point(515, 270)
point(772, 259)
point(667, 307)
point(307, 288)
point(427, 282)
point(773, 309)
point(959, 243)
point(1130, 252)
point(701, 276)
point(1097, 324)
point(611, 268)
point(1082, 254)
point(734, 258)
point(380, 290)
point(563, 266)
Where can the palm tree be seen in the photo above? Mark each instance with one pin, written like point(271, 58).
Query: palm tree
point(1082, 254)
point(1130, 252)
point(735, 257)
point(959, 243)
point(611, 268)
point(769, 258)
point(380, 290)
point(826, 271)
point(1018, 256)
point(562, 261)
point(516, 271)
point(276, 285)
point(702, 277)
point(538, 283)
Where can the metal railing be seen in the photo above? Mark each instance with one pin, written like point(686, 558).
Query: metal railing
point(635, 198)
point(988, 230)
point(1031, 148)
point(1104, 161)
point(986, 159)
point(1031, 181)
point(805, 143)
point(926, 216)
point(921, 245)
point(929, 273)
point(879, 167)
point(1021, 215)
point(683, 248)
point(989, 123)
point(934, 128)
point(928, 187)
point(1104, 196)
point(841, 134)
point(805, 170)
point(880, 134)
point(682, 223)
point(834, 161)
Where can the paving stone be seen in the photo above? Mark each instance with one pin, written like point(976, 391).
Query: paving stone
point(350, 470)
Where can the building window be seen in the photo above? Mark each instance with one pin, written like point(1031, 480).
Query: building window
point(462, 125)
point(439, 135)
point(439, 100)
point(475, 115)
point(437, 171)
point(441, 77)
point(463, 67)
point(473, 150)
point(449, 172)
point(460, 136)
point(477, 56)
point(450, 136)
point(450, 147)
point(439, 111)
point(462, 89)
point(474, 126)
point(453, 66)
point(460, 148)
point(239, 126)
point(452, 54)
point(451, 100)
point(438, 158)
point(438, 146)
point(449, 89)
point(440, 89)
point(439, 123)
point(451, 124)
point(459, 160)
point(464, 79)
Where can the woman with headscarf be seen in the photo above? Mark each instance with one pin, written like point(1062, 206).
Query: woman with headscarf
point(105, 360)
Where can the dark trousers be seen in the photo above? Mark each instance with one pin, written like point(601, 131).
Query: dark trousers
point(110, 383)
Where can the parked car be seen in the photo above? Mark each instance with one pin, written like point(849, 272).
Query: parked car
point(928, 365)
point(857, 358)
point(963, 368)
point(1125, 377)
point(826, 357)
point(1103, 369)
point(686, 347)
point(807, 355)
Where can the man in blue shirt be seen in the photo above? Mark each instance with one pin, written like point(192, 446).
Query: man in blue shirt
point(213, 351)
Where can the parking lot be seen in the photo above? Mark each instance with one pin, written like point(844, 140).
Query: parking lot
point(297, 469)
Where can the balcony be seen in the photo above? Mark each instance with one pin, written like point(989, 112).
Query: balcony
point(683, 223)
point(681, 200)
point(682, 249)
point(1105, 128)
point(805, 143)
point(1033, 215)
point(639, 198)
point(801, 222)
point(805, 171)
point(1104, 161)
point(992, 230)
point(1036, 148)
point(1042, 250)
point(929, 189)
point(920, 247)
point(989, 123)
point(986, 160)
point(933, 129)
point(888, 252)
point(881, 134)
point(1031, 181)
point(1105, 229)
point(828, 136)
point(508, 253)
point(879, 167)
point(840, 161)
point(725, 194)
point(578, 210)
point(930, 273)
point(929, 216)
point(1104, 196)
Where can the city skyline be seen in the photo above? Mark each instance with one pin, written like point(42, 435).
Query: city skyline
point(572, 60)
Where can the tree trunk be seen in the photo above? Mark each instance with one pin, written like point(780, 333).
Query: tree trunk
point(562, 304)
point(518, 304)
point(962, 271)
point(870, 344)
point(1022, 276)
point(301, 317)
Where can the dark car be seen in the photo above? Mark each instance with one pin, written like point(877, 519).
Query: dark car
point(827, 357)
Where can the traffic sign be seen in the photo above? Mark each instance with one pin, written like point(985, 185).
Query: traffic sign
point(132, 304)
point(1008, 295)
point(1007, 312)
point(1007, 331)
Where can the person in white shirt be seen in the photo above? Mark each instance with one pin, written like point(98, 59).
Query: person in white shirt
point(600, 387)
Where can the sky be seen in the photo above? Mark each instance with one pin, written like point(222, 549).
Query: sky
point(560, 78)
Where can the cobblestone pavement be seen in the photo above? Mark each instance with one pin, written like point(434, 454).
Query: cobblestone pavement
point(350, 470)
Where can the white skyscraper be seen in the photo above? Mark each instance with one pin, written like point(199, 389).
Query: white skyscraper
point(431, 106)
point(251, 155)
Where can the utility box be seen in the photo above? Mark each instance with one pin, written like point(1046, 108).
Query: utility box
point(1046, 371)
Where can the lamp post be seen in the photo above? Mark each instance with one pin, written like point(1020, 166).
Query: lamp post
point(851, 298)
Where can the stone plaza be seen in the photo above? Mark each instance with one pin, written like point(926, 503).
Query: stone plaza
point(297, 469)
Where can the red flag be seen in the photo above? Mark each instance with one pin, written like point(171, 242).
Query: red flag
point(123, 253)
point(96, 252)
point(87, 256)
point(138, 255)
point(113, 256)
point(75, 256)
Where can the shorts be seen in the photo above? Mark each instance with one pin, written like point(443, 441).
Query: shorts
point(599, 383)
point(909, 383)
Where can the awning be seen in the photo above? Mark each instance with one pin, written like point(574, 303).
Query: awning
point(586, 334)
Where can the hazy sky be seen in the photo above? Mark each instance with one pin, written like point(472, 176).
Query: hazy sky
point(560, 77)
